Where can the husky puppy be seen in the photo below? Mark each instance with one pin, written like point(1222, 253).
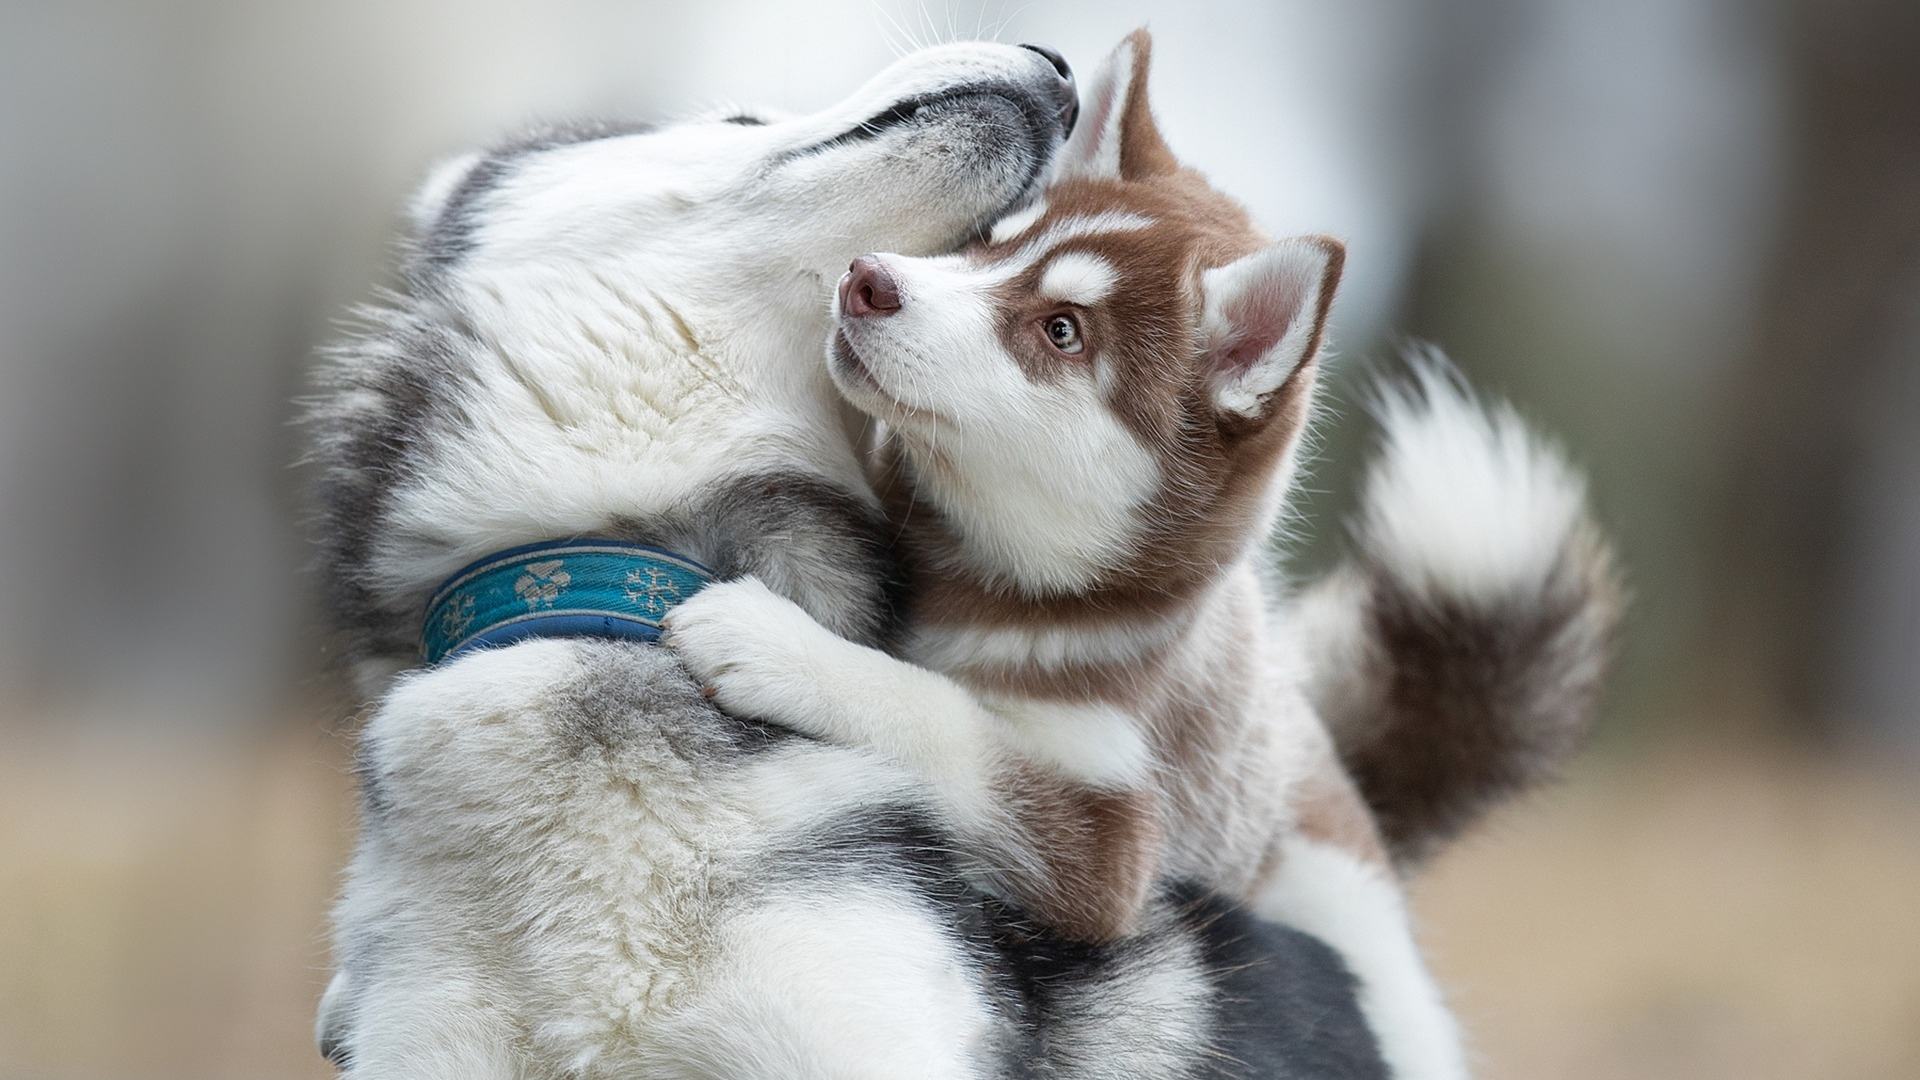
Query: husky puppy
point(571, 863)
point(1091, 419)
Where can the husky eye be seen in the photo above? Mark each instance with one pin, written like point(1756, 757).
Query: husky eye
point(1063, 333)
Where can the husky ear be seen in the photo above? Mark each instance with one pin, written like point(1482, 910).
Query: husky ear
point(1116, 138)
point(1263, 320)
point(431, 197)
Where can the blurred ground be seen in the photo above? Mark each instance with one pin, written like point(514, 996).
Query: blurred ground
point(1698, 915)
point(1695, 914)
point(162, 909)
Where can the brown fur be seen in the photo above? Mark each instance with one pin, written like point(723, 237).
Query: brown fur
point(1497, 700)
point(1219, 799)
point(1331, 811)
point(1214, 472)
point(1102, 853)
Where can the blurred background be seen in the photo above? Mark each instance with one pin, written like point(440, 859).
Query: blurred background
point(1682, 234)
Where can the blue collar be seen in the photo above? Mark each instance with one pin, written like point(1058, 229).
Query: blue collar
point(566, 588)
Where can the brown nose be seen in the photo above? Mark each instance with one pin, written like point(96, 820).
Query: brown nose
point(869, 289)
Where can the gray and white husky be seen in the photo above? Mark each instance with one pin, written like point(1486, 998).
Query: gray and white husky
point(571, 863)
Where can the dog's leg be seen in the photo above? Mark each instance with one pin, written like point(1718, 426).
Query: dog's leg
point(1354, 904)
point(1057, 799)
point(761, 655)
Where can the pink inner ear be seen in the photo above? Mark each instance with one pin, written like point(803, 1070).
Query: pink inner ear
point(1260, 318)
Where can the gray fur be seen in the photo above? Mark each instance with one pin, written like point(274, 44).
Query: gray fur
point(548, 826)
point(380, 400)
point(451, 234)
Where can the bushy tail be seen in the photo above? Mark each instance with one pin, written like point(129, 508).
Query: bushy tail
point(1457, 655)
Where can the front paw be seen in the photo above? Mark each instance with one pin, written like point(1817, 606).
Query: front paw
point(757, 653)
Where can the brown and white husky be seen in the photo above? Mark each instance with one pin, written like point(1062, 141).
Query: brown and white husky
point(1091, 418)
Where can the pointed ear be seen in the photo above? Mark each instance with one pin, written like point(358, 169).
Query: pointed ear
point(433, 194)
point(1263, 320)
point(1116, 138)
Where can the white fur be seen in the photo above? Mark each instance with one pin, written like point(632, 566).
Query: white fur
point(437, 188)
point(1357, 908)
point(945, 379)
point(1466, 503)
point(457, 744)
point(644, 301)
point(857, 984)
point(547, 906)
point(806, 784)
point(1017, 222)
point(1060, 475)
point(1007, 267)
point(985, 648)
point(592, 921)
point(1093, 151)
point(1098, 745)
point(1073, 228)
point(765, 657)
point(1157, 1004)
point(645, 313)
point(1077, 277)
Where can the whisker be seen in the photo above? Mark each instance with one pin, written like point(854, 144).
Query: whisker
point(900, 48)
point(1007, 20)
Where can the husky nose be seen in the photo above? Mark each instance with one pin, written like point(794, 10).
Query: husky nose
point(1053, 57)
point(869, 289)
point(1070, 110)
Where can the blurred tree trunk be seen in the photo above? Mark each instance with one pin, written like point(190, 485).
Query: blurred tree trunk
point(1805, 400)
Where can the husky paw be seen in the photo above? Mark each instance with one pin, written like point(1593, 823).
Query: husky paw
point(758, 654)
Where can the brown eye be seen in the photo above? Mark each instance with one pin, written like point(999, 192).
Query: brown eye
point(1063, 333)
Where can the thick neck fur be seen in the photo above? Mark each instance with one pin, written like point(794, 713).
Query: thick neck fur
point(1102, 641)
point(505, 404)
point(571, 400)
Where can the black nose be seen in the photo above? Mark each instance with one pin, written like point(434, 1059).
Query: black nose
point(1070, 98)
point(1059, 62)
